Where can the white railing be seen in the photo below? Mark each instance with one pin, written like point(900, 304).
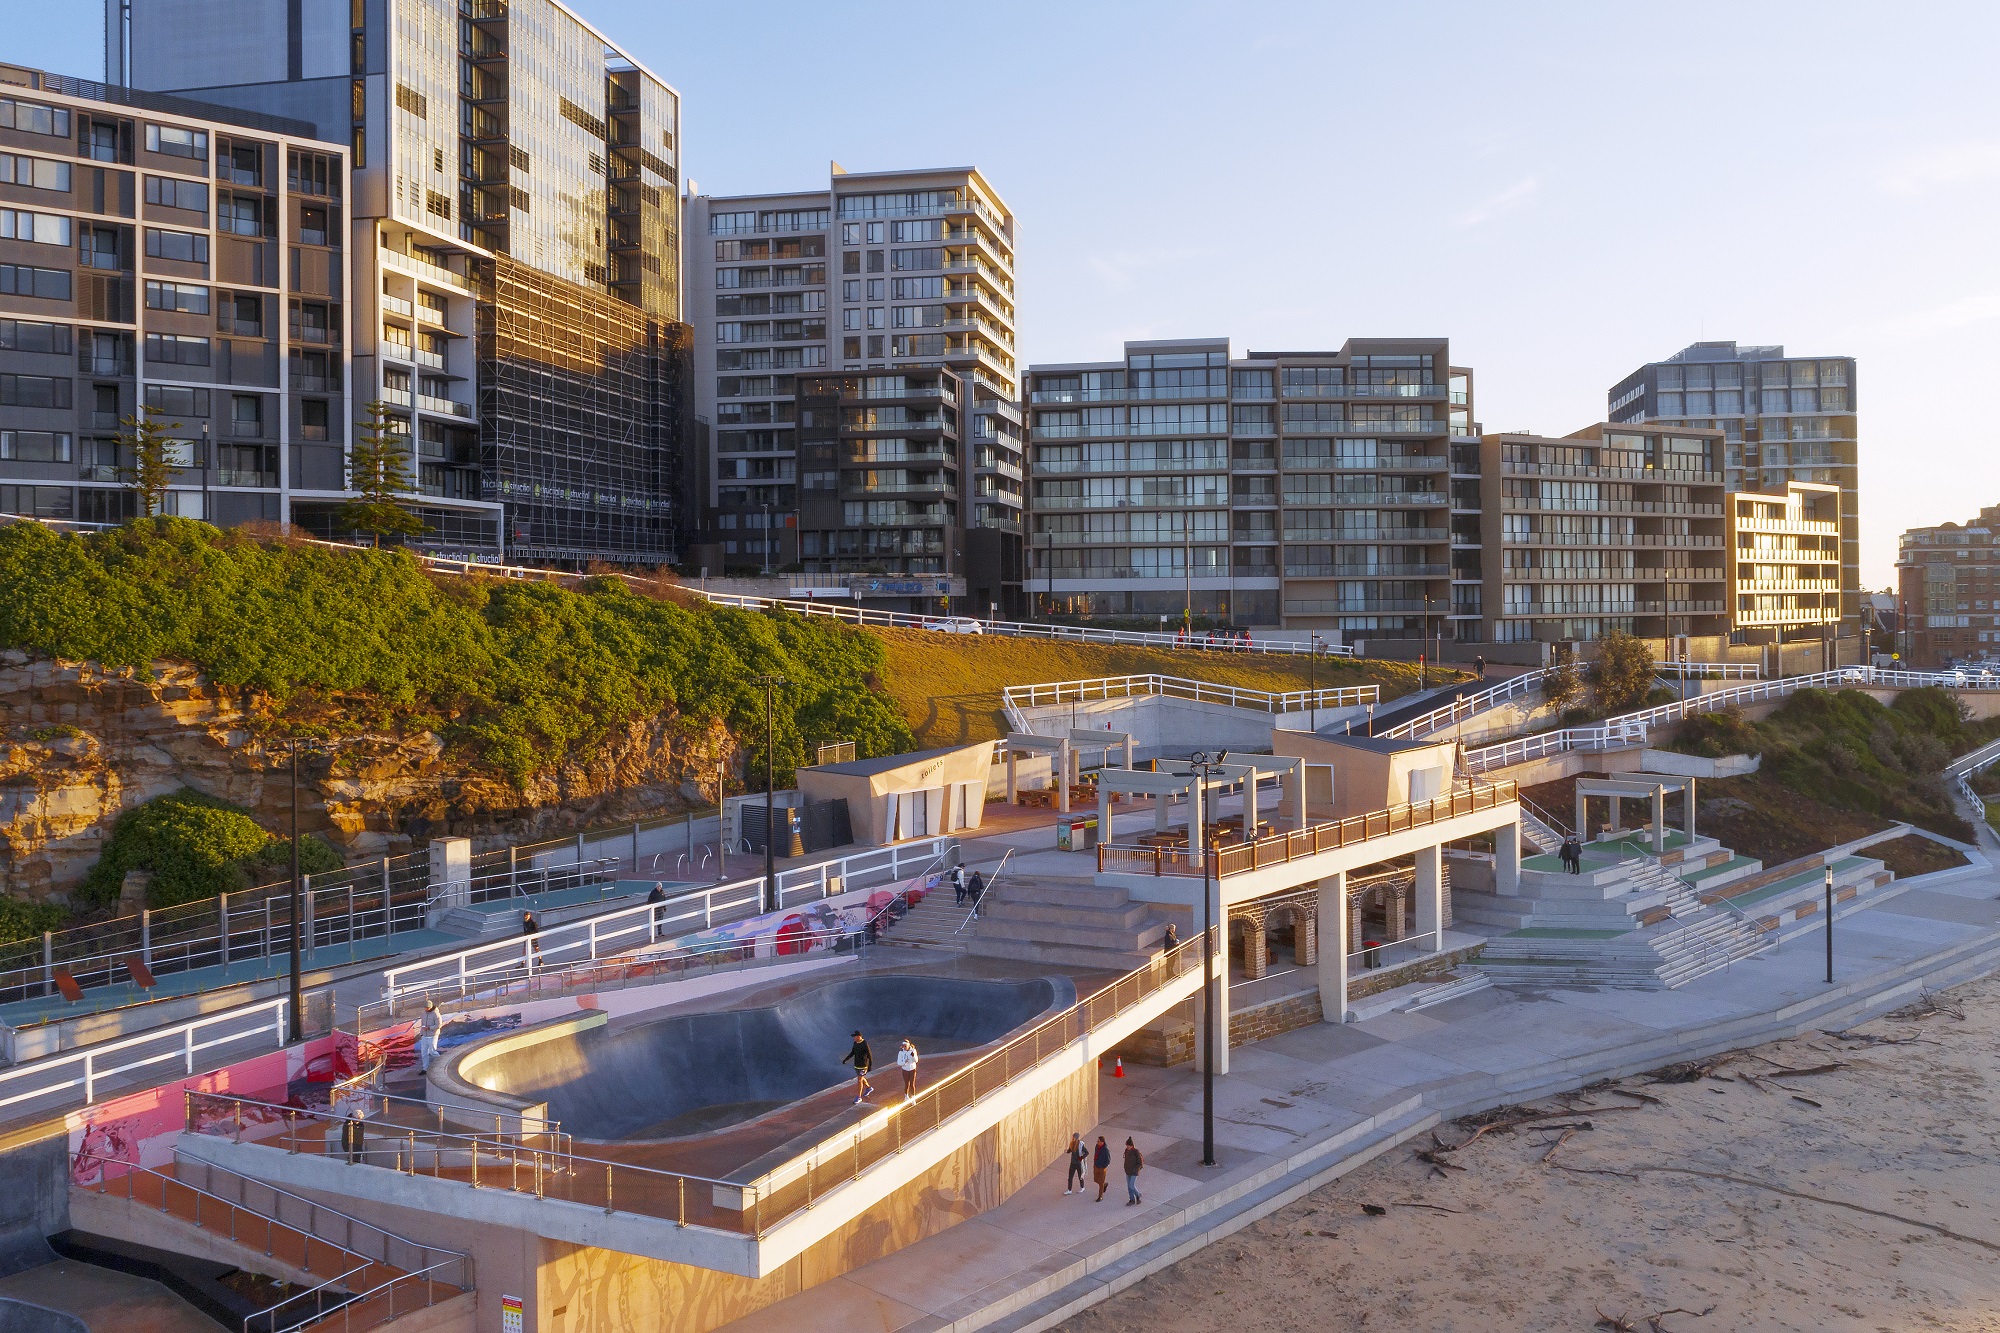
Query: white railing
point(1710, 670)
point(1017, 697)
point(1466, 705)
point(84, 1070)
point(1967, 764)
point(1630, 729)
point(630, 928)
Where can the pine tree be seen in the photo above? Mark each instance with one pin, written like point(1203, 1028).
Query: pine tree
point(145, 437)
point(378, 472)
point(1623, 672)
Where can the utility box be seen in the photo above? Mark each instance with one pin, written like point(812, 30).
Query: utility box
point(1076, 833)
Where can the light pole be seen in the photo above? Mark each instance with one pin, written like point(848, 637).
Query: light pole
point(767, 541)
point(294, 1023)
point(1312, 679)
point(1829, 925)
point(207, 514)
point(1203, 765)
point(770, 684)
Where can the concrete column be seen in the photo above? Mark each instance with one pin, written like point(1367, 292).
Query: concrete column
point(1250, 808)
point(1430, 893)
point(1299, 799)
point(1687, 808)
point(1507, 861)
point(1659, 821)
point(1305, 938)
point(1162, 807)
point(1062, 779)
point(1332, 919)
point(1128, 752)
point(1582, 816)
point(1355, 934)
point(1103, 809)
point(451, 871)
point(1256, 947)
point(1013, 779)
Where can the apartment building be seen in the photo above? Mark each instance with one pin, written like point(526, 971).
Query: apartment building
point(882, 305)
point(1784, 562)
point(1948, 581)
point(1603, 530)
point(516, 301)
point(1280, 489)
point(1783, 418)
point(156, 253)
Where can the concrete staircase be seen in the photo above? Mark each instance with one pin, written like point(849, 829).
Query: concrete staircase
point(1071, 923)
point(934, 923)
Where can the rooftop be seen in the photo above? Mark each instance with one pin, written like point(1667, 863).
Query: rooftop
point(183, 107)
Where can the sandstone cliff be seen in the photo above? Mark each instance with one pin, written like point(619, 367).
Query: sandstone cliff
point(79, 744)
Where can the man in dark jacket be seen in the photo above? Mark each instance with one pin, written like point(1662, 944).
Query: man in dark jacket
point(1076, 1155)
point(863, 1060)
point(353, 1131)
point(1100, 1168)
point(1134, 1162)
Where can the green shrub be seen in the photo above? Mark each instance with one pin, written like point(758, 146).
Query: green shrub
point(195, 847)
point(22, 920)
point(522, 675)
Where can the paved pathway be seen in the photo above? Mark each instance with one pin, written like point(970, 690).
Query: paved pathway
point(1288, 1103)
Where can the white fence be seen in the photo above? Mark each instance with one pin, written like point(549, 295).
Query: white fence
point(179, 1045)
point(1466, 705)
point(1017, 697)
point(632, 928)
point(1630, 729)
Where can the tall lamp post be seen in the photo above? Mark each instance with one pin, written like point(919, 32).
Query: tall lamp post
point(1312, 679)
point(295, 1019)
point(770, 684)
point(1204, 766)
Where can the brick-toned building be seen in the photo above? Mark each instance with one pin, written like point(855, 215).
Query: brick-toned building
point(1948, 580)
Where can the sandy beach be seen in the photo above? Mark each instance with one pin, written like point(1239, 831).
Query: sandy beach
point(1755, 1196)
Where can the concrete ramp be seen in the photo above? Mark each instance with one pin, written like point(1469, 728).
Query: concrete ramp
point(693, 1073)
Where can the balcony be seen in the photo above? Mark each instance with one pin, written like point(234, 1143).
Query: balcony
point(426, 271)
point(395, 305)
point(238, 477)
point(398, 351)
point(1432, 426)
point(1684, 509)
point(433, 360)
point(1610, 473)
point(443, 406)
point(396, 397)
point(1079, 395)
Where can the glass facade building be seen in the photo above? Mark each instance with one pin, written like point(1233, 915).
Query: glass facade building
point(518, 302)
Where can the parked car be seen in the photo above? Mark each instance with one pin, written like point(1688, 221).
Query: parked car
point(956, 625)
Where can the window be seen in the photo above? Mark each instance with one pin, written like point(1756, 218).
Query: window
point(906, 260)
point(37, 173)
point(172, 192)
point(246, 414)
point(99, 141)
point(727, 224)
point(176, 350)
point(850, 262)
point(313, 173)
point(44, 284)
point(34, 391)
point(241, 215)
point(247, 314)
point(27, 335)
point(875, 317)
point(850, 348)
point(312, 419)
point(97, 247)
point(177, 142)
point(183, 247)
point(875, 261)
point(312, 225)
point(35, 446)
point(41, 228)
point(37, 501)
point(176, 401)
point(33, 117)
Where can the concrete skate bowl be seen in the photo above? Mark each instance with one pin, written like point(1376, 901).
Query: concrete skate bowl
point(648, 1080)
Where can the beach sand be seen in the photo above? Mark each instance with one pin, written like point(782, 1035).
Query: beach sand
point(1904, 1131)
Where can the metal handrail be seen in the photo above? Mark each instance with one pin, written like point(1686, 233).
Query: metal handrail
point(1466, 705)
point(1180, 687)
point(46, 1076)
point(973, 916)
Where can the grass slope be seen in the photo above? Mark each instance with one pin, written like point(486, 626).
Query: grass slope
point(948, 686)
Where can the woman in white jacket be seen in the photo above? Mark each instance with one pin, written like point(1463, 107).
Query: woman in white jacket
point(906, 1060)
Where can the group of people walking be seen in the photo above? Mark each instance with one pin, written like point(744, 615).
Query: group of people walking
point(1099, 1158)
point(967, 888)
point(1233, 640)
point(863, 1060)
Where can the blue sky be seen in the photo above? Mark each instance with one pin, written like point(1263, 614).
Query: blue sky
point(1564, 190)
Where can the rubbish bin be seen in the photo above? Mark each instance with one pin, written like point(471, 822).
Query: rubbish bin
point(1076, 833)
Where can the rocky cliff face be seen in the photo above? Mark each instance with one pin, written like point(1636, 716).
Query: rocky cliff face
point(79, 744)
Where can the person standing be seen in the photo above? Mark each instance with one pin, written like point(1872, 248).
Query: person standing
point(1100, 1168)
point(974, 889)
point(958, 885)
point(1077, 1155)
point(863, 1060)
point(1173, 939)
point(528, 926)
point(906, 1060)
point(430, 1027)
point(1134, 1163)
point(353, 1132)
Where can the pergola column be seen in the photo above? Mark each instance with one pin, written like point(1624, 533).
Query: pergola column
point(1430, 894)
point(1582, 816)
point(1250, 808)
point(1507, 860)
point(1687, 807)
point(1013, 778)
point(1103, 811)
point(1062, 778)
point(1659, 821)
point(1331, 918)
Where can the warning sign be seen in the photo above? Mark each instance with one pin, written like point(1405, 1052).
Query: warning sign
point(510, 1314)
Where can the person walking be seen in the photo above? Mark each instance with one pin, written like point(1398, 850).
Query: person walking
point(863, 1060)
point(1100, 1168)
point(1173, 939)
point(974, 889)
point(1479, 667)
point(1076, 1154)
point(906, 1060)
point(429, 1028)
point(528, 925)
point(958, 885)
point(353, 1133)
point(1134, 1163)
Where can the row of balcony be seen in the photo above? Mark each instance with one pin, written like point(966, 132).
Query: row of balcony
point(1680, 508)
point(1594, 473)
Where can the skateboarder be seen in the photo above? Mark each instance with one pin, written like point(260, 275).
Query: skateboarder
point(863, 1060)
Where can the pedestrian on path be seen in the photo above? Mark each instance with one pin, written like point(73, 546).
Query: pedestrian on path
point(1100, 1168)
point(863, 1060)
point(906, 1060)
point(1479, 667)
point(1572, 855)
point(958, 885)
point(353, 1133)
point(429, 1028)
point(1173, 939)
point(974, 889)
point(528, 925)
point(1076, 1154)
point(1134, 1163)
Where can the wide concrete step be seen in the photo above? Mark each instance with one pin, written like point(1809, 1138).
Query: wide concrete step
point(1009, 908)
point(1061, 955)
point(1118, 938)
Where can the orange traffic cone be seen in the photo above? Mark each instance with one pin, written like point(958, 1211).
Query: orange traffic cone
point(1118, 1069)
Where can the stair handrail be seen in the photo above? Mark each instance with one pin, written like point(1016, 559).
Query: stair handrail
point(1554, 825)
point(973, 916)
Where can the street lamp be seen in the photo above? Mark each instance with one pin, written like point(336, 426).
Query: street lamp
point(1312, 679)
point(1204, 766)
point(294, 1027)
point(767, 541)
point(770, 684)
point(207, 514)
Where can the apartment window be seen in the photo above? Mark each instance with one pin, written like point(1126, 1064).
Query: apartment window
point(313, 417)
point(43, 284)
point(37, 501)
point(875, 261)
point(37, 173)
point(174, 400)
point(175, 349)
point(34, 391)
point(247, 315)
point(27, 335)
point(875, 317)
point(875, 345)
point(851, 290)
point(310, 322)
point(177, 142)
point(35, 446)
point(850, 233)
point(246, 414)
point(241, 215)
point(99, 141)
point(184, 297)
point(104, 405)
point(33, 117)
point(850, 348)
point(41, 228)
point(183, 247)
point(172, 192)
point(850, 318)
point(312, 225)
point(105, 354)
point(97, 247)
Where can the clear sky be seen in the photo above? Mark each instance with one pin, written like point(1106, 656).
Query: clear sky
point(1563, 190)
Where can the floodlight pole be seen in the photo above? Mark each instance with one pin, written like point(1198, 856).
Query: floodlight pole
point(770, 684)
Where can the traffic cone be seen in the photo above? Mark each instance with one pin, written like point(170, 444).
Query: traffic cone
point(1118, 1069)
